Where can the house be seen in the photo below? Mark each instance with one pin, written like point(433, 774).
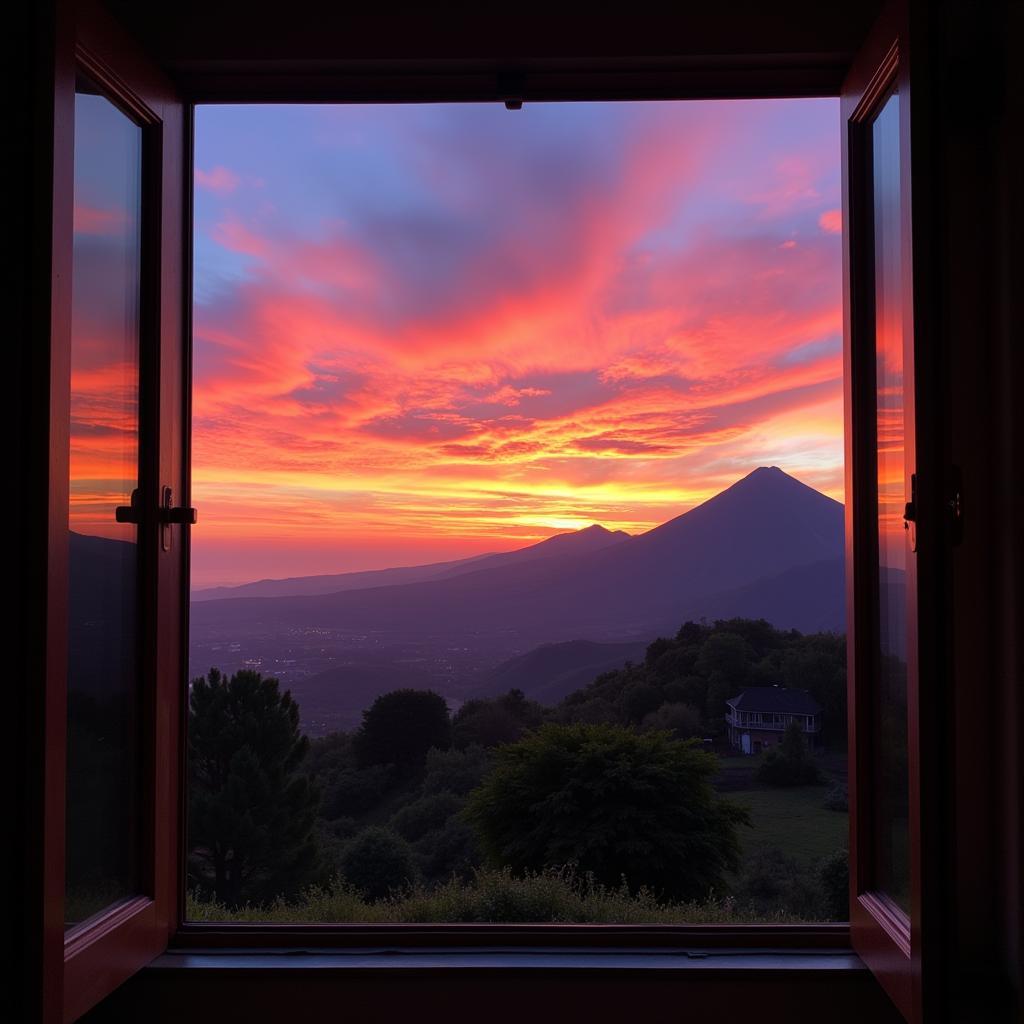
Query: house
point(954, 955)
point(758, 717)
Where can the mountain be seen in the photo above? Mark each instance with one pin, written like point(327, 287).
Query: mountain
point(593, 538)
point(550, 672)
point(760, 528)
point(811, 598)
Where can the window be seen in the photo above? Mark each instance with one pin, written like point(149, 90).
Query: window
point(432, 332)
point(99, 957)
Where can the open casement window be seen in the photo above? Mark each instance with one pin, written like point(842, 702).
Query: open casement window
point(898, 525)
point(118, 477)
point(116, 545)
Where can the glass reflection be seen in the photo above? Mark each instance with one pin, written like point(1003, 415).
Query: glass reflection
point(892, 868)
point(102, 765)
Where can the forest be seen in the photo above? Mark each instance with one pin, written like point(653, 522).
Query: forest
point(622, 802)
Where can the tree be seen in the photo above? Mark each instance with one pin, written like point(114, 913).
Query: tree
point(400, 727)
point(790, 764)
point(377, 862)
point(489, 722)
point(612, 802)
point(251, 811)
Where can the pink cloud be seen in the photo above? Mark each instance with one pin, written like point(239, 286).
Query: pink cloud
point(217, 179)
point(88, 220)
point(831, 221)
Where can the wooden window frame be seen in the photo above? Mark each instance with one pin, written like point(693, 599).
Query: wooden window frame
point(93, 957)
point(40, 747)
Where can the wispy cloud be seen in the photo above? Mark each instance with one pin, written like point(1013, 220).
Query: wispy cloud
point(447, 323)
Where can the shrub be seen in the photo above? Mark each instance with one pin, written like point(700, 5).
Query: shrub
point(447, 852)
point(773, 883)
point(378, 863)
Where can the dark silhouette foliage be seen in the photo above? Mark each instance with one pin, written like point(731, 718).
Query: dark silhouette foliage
point(251, 811)
point(378, 863)
point(705, 664)
point(611, 802)
point(789, 764)
point(834, 874)
point(491, 722)
point(400, 727)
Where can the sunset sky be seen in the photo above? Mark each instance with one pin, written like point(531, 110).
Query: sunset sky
point(425, 332)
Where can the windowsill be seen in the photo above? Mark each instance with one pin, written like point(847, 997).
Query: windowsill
point(739, 961)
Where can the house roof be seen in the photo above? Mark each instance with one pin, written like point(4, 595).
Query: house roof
point(776, 698)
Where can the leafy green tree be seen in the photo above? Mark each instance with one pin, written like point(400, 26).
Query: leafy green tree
point(400, 727)
point(251, 810)
point(612, 802)
point(790, 764)
point(378, 863)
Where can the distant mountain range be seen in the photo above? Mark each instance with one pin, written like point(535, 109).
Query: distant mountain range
point(593, 538)
point(767, 546)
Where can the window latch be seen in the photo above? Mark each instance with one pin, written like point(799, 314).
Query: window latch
point(169, 515)
point(910, 513)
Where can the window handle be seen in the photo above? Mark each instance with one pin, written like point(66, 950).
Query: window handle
point(169, 514)
point(910, 513)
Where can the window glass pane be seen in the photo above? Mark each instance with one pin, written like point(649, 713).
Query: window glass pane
point(103, 678)
point(892, 868)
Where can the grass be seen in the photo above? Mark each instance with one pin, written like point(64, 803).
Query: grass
point(491, 896)
point(792, 819)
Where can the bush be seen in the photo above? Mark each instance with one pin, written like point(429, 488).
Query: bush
point(613, 802)
point(772, 883)
point(378, 863)
point(447, 852)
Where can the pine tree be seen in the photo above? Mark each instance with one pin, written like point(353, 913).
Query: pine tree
point(251, 811)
